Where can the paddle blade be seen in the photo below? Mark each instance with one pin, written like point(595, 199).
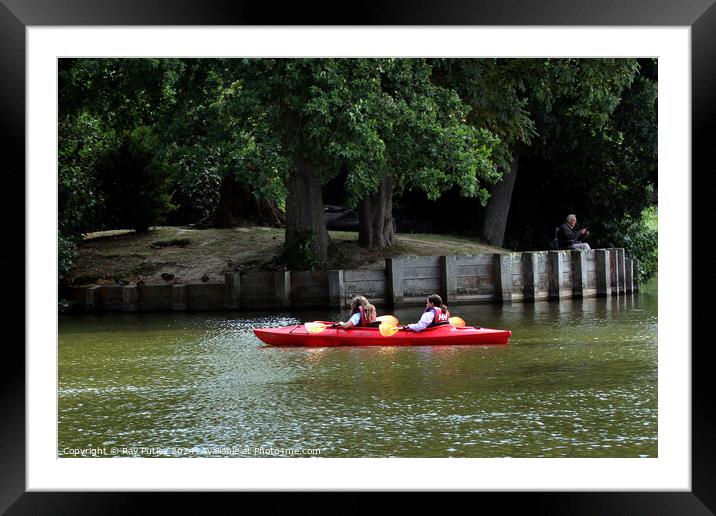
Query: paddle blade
point(388, 330)
point(314, 327)
point(389, 319)
point(457, 321)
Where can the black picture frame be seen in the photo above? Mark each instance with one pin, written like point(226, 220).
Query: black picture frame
point(16, 15)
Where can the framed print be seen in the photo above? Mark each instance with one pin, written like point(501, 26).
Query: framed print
point(679, 479)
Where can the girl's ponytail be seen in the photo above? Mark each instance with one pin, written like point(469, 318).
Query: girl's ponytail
point(438, 301)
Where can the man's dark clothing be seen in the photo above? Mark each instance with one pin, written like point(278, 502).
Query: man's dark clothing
point(567, 236)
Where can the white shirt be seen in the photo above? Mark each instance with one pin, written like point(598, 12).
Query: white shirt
point(355, 319)
point(425, 321)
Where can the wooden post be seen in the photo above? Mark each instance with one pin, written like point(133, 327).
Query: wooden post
point(614, 271)
point(621, 276)
point(603, 270)
point(92, 299)
point(394, 267)
point(629, 275)
point(637, 274)
point(579, 273)
point(503, 275)
point(336, 289)
point(130, 298)
point(232, 290)
point(448, 278)
point(530, 275)
point(554, 274)
point(179, 297)
point(282, 288)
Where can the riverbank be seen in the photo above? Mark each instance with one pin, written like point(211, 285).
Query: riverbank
point(168, 254)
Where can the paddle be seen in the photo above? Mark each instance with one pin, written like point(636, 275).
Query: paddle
point(457, 321)
point(388, 325)
point(316, 327)
point(390, 319)
point(388, 329)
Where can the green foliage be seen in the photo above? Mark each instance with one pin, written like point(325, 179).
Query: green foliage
point(67, 255)
point(584, 89)
point(134, 179)
point(496, 90)
point(197, 183)
point(596, 155)
point(537, 106)
point(104, 106)
point(125, 93)
point(639, 238)
point(298, 254)
point(137, 136)
point(390, 118)
point(82, 140)
point(430, 145)
point(65, 306)
point(217, 129)
point(640, 241)
point(370, 117)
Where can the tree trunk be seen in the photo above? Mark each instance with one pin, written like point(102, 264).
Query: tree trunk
point(304, 209)
point(237, 205)
point(376, 228)
point(494, 221)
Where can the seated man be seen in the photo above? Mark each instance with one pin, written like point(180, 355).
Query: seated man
point(569, 237)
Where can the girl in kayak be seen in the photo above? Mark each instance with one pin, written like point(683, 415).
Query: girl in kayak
point(362, 314)
point(435, 314)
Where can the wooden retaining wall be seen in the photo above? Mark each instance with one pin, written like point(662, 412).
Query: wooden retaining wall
point(408, 280)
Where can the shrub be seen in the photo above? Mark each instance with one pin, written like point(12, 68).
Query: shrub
point(81, 141)
point(134, 179)
point(298, 255)
point(197, 184)
point(67, 254)
point(641, 242)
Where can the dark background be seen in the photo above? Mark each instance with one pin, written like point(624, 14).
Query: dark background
point(15, 15)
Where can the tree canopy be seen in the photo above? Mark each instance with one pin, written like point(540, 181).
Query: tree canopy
point(374, 118)
point(213, 140)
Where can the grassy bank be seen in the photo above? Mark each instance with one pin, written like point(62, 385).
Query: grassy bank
point(168, 254)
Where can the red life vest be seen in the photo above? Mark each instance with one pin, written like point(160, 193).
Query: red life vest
point(439, 318)
point(363, 317)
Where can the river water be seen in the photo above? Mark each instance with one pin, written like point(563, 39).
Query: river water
point(578, 379)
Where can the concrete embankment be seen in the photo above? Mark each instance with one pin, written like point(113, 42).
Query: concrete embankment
point(406, 280)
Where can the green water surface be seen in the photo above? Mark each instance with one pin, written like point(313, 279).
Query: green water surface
point(578, 379)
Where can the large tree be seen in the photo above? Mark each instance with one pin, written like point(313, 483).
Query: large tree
point(213, 165)
point(528, 103)
point(428, 145)
point(382, 120)
point(107, 110)
point(229, 169)
point(606, 172)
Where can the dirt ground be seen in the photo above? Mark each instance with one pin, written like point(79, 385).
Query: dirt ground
point(185, 255)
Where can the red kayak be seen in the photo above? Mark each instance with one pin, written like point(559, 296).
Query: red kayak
point(446, 335)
